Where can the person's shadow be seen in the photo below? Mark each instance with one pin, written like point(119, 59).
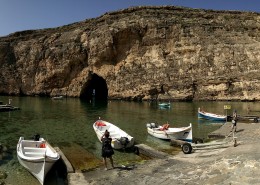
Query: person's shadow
point(240, 130)
point(123, 167)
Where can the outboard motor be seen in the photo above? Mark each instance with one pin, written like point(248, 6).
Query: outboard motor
point(148, 125)
point(154, 125)
point(36, 137)
point(124, 141)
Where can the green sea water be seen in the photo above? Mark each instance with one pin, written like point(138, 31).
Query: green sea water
point(69, 121)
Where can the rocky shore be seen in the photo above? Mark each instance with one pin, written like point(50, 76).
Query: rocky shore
point(231, 165)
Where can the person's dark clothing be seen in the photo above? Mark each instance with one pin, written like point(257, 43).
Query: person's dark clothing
point(107, 150)
point(234, 118)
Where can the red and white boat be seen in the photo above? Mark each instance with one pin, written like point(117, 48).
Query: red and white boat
point(120, 139)
point(167, 132)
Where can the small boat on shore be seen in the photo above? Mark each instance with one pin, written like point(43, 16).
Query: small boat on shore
point(120, 139)
point(167, 132)
point(37, 156)
point(211, 116)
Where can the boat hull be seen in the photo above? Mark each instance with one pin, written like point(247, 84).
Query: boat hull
point(184, 133)
point(6, 108)
point(38, 161)
point(210, 116)
point(116, 134)
point(164, 105)
point(58, 98)
point(38, 168)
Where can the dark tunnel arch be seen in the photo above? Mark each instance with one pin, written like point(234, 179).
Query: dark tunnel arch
point(96, 88)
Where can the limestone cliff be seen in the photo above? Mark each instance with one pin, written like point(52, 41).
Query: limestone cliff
point(139, 53)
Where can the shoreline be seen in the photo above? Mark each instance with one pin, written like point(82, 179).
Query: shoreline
point(232, 165)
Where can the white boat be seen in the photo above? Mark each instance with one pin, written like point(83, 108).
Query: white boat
point(162, 132)
point(120, 139)
point(57, 98)
point(37, 157)
point(164, 105)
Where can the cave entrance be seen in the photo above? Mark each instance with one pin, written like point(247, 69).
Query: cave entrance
point(95, 88)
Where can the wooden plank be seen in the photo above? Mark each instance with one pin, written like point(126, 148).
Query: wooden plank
point(34, 148)
point(33, 154)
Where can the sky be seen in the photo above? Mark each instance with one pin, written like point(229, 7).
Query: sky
point(20, 15)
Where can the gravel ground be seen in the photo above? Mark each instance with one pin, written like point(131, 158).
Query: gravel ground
point(231, 165)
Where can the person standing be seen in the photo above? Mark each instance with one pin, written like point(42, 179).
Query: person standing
point(234, 121)
point(107, 150)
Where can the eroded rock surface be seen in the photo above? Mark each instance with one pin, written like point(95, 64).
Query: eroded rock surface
point(141, 53)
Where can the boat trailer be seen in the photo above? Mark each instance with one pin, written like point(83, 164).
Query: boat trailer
point(188, 147)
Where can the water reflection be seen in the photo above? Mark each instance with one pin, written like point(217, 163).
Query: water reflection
point(208, 122)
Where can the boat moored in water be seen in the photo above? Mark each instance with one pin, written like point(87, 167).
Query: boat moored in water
point(164, 105)
point(211, 116)
point(57, 97)
point(8, 107)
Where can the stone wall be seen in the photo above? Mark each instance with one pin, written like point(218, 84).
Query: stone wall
point(142, 53)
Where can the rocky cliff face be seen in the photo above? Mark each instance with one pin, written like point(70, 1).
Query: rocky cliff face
point(139, 53)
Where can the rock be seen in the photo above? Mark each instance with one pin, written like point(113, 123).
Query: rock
point(3, 175)
point(3, 149)
point(139, 53)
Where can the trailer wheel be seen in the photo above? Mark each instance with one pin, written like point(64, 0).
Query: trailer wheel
point(197, 140)
point(186, 148)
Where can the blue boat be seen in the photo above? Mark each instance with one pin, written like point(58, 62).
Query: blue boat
point(211, 116)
